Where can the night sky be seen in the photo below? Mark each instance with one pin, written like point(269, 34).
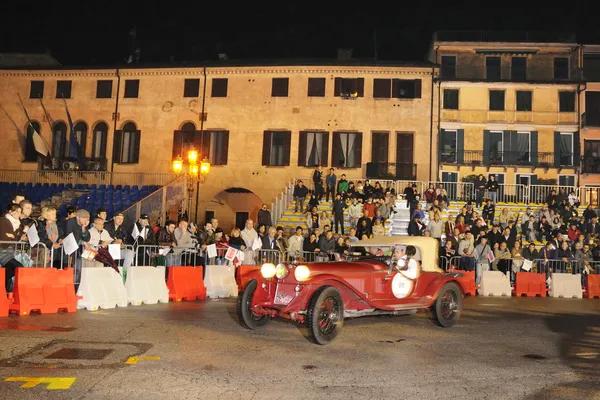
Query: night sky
point(98, 34)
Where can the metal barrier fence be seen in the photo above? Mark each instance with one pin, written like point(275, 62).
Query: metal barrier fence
point(24, 254)
point(86, 178)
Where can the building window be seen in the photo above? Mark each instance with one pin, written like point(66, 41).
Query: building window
point(450, 99)
point(566, 101)
point(448, 67)
point(59, 140)
point(591, 67)
point(523, 147)
point(63, 89)
point(566, 180)
point(313, 149)
point(349, 88)
point(382, 88)
point(591, 117)
point(219, 87)
point(406, 88)
point(104, 89)
point(30, 152)
point(132, 88)
point(191, 88)
point(99, 141)
point(518, 68)
point(183, 140)
point(493, 70)
point(496, 100)
point(276, 148)
point(561, 68)
point(496, 146)
point(448, 146)
point(36, 90)
point(379, 147)
point(524, 100)
point(219, 147)
point(347, 150)
point(280, 87)
point(77, 150)
point(566, 149)
point(316, 87)
point(591, 156)
point(126, 149)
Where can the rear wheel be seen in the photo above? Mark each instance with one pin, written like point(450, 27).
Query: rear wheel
point(249, 319)
point(448, 305)
point(325, 315)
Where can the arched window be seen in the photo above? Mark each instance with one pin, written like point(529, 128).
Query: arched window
point(99, 141)
point(126, 148)
point(183, 139)
point(59, 140)
point(30, 152)
point(78, 150)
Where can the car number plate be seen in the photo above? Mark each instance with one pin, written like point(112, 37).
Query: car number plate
point(284, 294)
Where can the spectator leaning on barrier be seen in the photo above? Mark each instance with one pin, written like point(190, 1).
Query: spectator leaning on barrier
point(11, 230)
point(296, 242)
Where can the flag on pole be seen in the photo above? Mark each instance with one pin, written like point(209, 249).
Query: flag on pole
point(38, 142)
point(21, 137)
point(47, 114)
point(74, 147)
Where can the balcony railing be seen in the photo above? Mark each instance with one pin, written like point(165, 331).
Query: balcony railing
point(509, 117)
point(395, 171)
point(72, 164)
point(514, 158)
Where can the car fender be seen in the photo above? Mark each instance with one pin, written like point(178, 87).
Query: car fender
point(435, 285)
point(248, 277)
point(347, 292)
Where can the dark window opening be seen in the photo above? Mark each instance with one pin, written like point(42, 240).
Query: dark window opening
point(276, 148)
point(561, 68)
point(191, 88)
point(36, 90)
point(349, 88)
point(63, 89)
point(382, 88)
point(77, 149)
point(280, 87)
point(127, 142)
point(591, 67)
point(451, 99)
point(496, 100)
point(100, 138)
point(518, 68)
point(104, 89)
point(592, 109)
point(406, 88)
point(219, 87)
point(524, 100)
point(59, 140)
point(132, 88)
point(219, 147)
point(566, 101)
point(30, 153)
point(448, 67)
point(493, 70)
point(316, 87)
point(346, 150)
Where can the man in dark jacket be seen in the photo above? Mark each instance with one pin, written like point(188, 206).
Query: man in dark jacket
point(480, 185)
point(300, 193)
point(264, 216)
point(338, 212)
point(330, 183)
point(116, 229)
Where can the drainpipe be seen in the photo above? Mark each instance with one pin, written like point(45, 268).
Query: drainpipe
point(439, 112)
point(112, 159)
point(431, 125)
point(201, 133)
point(580, 89)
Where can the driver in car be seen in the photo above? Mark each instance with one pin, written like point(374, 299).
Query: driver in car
point(403, 261)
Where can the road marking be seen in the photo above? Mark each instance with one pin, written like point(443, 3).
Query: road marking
point(52, 383)
point(134, 360)
point(491, 305)
point(587, 355)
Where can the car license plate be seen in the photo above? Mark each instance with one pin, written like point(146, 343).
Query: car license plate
point(284, 294)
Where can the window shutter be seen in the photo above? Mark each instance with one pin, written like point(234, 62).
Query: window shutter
point(302, 149)
point(460, 146)
point(556, 149)
point(358, 150)
point(266, 153)
point(118, 137)
point(135, 150)
point(576, 150)
point(177, 139)
point(325, 150)
point(507, 146)
point(533, 178)
point(417, 88)
point(336, 149)
point(360, 87)
point(486, 147)
point(223, 158)
point(287, 144)
point(534, 147)
point(440, 148)
point(337, 87)
point(395, 90)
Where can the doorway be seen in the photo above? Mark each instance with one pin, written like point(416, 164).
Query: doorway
point(404, 148)
point(208, 216)
point(449, 180)
point(523, 187)
point(240, 219)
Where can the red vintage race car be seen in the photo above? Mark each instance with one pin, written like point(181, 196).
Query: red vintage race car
point(399, 275)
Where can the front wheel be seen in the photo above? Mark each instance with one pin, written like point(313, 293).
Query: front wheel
point(448, 305)
point(247, 318)
point(325, 315)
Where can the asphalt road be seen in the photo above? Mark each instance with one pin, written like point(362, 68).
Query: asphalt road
point(502, 348)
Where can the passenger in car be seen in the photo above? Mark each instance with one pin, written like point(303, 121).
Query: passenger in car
point(405, 263)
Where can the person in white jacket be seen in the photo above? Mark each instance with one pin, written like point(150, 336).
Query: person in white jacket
point(296, 243)
point(355, 212)
point(99, 237)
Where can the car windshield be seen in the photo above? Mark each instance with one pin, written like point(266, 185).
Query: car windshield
point(379, 252)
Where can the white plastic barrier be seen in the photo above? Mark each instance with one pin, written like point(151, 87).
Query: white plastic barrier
point(565, 285)
point(494, 283)
point(220, 281)
point(146, 285)
point(101, 288)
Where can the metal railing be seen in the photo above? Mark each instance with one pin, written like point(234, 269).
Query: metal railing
point(480, 157)
point(86, 178)
point(395, 171)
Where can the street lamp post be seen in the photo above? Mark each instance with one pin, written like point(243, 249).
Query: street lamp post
point(192, 171)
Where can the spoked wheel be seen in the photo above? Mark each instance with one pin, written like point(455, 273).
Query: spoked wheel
point(249, 319)
point(325, 315)
point(448, 305)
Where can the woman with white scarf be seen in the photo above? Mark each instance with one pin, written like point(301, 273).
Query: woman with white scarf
point(11, 230)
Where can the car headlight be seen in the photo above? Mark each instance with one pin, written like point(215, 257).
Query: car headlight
point(281, 271)
point(267, 270)
point(301, 273)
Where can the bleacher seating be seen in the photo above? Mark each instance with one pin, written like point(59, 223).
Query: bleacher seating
point(114, 198)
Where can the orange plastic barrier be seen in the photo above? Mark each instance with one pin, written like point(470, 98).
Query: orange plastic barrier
point(3, 298)
point(467, 282)
point(530, 284)
point(242, 271)
point(592, 286)
point(46, 290)
point(186, 283)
